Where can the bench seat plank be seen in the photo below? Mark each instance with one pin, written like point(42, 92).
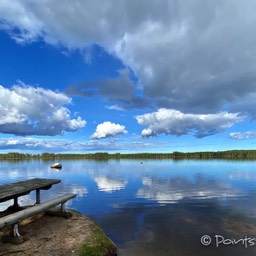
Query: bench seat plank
point(23, 214)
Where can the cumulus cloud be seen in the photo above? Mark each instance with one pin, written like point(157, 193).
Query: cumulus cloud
point(246, 104)
point(27, 110)
point(108, 129)
point(187, 55)
point(120, 88)
point(242, 135)
point(197, 58)
point(29, 143)
point(169, 121)
point(63, 145)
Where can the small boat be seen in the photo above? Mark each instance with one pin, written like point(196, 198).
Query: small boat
point(56, 166)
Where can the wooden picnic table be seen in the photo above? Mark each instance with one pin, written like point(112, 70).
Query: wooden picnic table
point(21, 188)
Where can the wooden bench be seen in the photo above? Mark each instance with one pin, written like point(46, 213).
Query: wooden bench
point(14, 218)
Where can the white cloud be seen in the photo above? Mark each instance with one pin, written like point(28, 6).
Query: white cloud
point(108, 129)
point(26, 22)
point(27, 110)
point(63, 145)
point(188, 55)
point(169, 121)
point(115, 107)
point(242, 135)
point(45, 144)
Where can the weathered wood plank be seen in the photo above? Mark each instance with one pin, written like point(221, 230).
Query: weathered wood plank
point(23, 214)
point(17, 189)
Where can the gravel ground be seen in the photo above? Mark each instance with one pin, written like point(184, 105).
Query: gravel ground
point(53, 236)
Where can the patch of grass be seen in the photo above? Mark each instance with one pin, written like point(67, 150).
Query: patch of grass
point(98, 244)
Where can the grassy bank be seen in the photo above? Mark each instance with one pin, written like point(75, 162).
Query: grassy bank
point(98, 244)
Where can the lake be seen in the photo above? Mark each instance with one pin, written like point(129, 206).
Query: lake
point(157, 207)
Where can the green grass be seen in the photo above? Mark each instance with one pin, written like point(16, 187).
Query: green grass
point(98, 244)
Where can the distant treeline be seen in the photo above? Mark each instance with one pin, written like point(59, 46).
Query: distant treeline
point(229, 154)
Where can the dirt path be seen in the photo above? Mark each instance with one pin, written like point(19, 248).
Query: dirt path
point(57, 236)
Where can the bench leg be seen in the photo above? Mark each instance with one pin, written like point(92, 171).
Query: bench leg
point(64, 212)
point(16, 204)
point(16, 230)
point(14, 237)
point(63, 208)
point(38, 199)
point(15, 207)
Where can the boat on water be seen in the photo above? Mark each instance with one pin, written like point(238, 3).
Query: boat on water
point(56, 166)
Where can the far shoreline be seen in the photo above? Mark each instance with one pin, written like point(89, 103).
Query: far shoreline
point(227, 154)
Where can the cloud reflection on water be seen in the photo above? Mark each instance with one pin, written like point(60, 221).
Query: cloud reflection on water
point(177, 188)
point(176, 229)
point(109, 185)
point(242, 175)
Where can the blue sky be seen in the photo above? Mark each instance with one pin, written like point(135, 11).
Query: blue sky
point(132, 76)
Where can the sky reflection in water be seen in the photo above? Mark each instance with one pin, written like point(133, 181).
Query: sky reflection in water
point(157, 207)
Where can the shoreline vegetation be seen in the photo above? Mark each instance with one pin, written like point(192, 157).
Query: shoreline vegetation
point(228, 154)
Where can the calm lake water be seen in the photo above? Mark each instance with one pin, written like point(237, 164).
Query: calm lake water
point(158, 207)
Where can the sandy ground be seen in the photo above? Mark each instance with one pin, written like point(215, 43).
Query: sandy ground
point(51, 235)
